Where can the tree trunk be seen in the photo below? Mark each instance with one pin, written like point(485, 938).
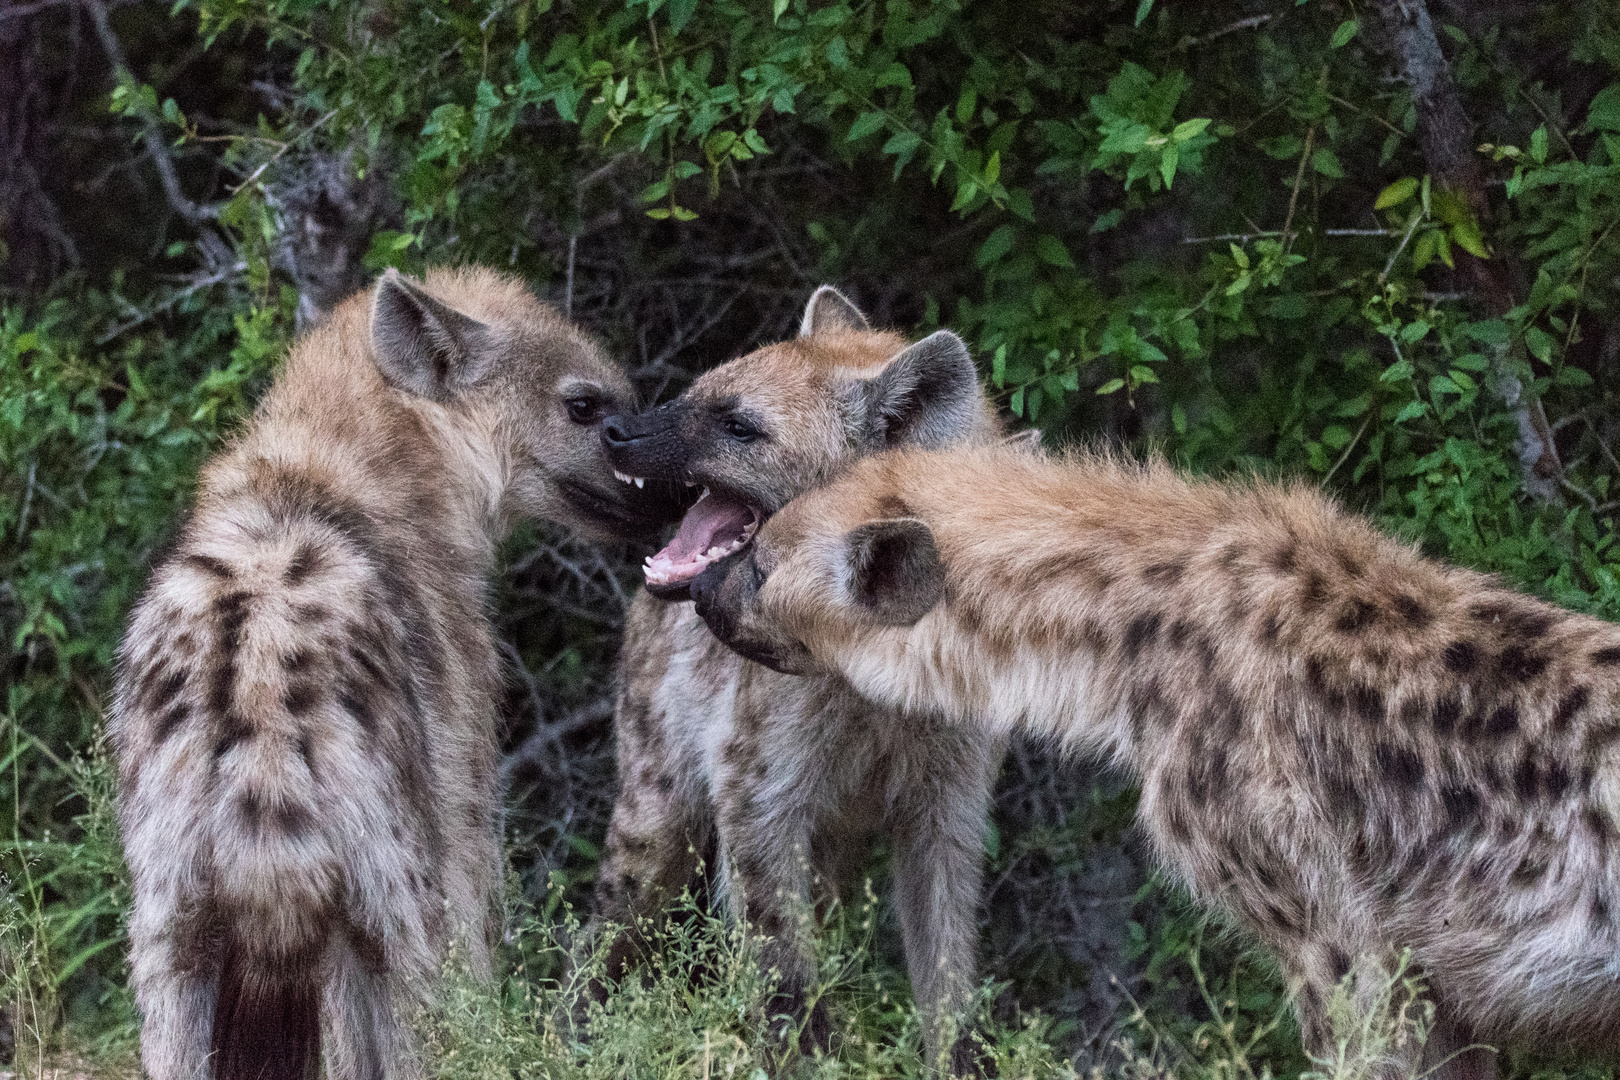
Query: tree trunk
point(1445, 135)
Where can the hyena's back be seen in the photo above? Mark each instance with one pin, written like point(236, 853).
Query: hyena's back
point(276, 776)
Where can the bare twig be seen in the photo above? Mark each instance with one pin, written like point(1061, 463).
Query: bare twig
point(1417, 219)
point(1349, 447)
point(197, 214)
point(1252, 22)
point(1299, 178)
point(196, 286)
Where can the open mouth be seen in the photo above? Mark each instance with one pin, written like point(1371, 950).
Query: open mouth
point(717, 525)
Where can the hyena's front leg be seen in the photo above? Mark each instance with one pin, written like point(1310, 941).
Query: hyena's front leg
point(766, 868)
point(938, 874)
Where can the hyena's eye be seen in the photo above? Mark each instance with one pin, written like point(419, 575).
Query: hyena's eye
point(740, 429)
point(584, 410)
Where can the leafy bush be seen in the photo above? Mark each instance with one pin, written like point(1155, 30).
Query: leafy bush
point(1231, 233)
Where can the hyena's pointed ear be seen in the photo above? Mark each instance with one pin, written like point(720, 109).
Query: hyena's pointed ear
point(830, 312)
point(928, 395)
point(423, 345)
point(894, 570)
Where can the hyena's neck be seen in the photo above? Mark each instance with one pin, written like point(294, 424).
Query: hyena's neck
point(332, 431)
point(1082, 592)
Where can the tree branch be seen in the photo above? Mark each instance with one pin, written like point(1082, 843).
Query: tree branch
point(1445, 136)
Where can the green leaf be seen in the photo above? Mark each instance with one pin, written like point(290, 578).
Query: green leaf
point(1051, 250)
point(1178, 418)
point(1415, 330)
point(1341, 38)
point(1466, 236)
point(1142, 10)
point(1326, 162)
point(680, 13)
point(1412, 411)
point(966, 192)
point(1167, 163)
point(685, 170)
point(996, 245)
point(1336, 436)
point(1604, 112)
point(1111, 386)
point(992, 168)
point(778, 9)
point(1016, 402)
point(1540, 343)
point(1396, 193)
point(1141, 373)
point(1538, 145)
point(998, 366)
point(966, 101)
point(1188, 128)
point(866, 124)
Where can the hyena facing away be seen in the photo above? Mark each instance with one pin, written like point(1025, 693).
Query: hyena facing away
point(792, 775)
point(1350, 749)
point(305, 711)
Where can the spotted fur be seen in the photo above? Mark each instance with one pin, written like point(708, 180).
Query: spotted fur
point(778, 781)
point(1348, 748)
point(305, 706)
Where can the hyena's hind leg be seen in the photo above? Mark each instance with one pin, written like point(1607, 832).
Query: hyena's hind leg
point(366, 1006)
point(176, 999)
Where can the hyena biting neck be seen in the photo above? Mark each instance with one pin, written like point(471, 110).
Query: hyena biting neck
point(305, 711)
point(1350, 749)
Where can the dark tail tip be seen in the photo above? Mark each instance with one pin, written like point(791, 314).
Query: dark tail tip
point(267, 1018)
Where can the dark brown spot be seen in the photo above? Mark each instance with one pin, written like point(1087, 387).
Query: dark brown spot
point(233, 729)
point(1569, 706)
point(1446, 713)
point(1142, 631)
point(1355, 617)
point(1400, 765)
point(1503, 720)
point(1520, 666)
point(297, 661)
point(353, 701)
point(209, 565)
point(1314, 592)
point(1164, 573)
point(1607, 657)
point(302, 564)
point(170, 721)
point(1348, 562)
point(1285, 560)
point(160, 692)
point(1367, 700)
point(251, 807)
point(306, 750)
point(1530, 871)
point(1462, 805)
point(293, 820)
point(1461, 657)
point(299, 697)
point(1599, 913)
point(1415, 613)
point(1338, 963)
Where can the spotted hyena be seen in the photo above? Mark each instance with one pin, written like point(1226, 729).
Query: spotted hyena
point(1351, 749)
point(305, 710)
point(791, 775)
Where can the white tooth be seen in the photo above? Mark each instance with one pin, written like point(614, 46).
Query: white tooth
point(640, 483)
point(691, 483)
point(705, 493)
point(623, 477)
point(715, 552)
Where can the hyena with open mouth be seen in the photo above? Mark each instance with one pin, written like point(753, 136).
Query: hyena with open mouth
point(792, 776)
point(306, 703)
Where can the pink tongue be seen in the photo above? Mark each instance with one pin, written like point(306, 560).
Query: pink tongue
point(714, 520)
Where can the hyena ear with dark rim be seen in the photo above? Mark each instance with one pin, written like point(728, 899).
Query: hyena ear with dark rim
point(894, 570)
point(423, 345)
point(928, 395)
point(830, 312)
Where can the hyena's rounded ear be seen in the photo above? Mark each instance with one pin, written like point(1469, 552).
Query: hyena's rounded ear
point(830, 312)
point(928, 395)
point(423, 345)
point(894, 570)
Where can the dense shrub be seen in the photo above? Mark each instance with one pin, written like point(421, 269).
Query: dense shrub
point(1309, 240)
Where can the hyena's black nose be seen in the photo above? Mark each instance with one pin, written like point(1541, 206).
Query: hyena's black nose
point(616, 431)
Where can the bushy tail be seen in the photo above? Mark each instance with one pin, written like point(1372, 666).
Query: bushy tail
point(267, 1017)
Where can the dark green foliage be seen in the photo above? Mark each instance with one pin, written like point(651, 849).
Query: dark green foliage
point(1206, 230)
